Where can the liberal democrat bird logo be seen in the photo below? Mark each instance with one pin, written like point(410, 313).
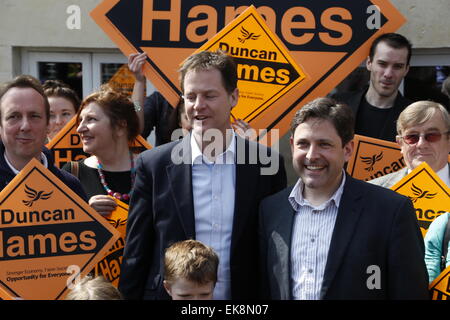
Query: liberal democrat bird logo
point(117, 223)
point(35, 196)
point(420, 194)
point(247, 35)
point(372, 160)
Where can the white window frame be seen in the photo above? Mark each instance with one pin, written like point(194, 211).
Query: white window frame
point(99, 58)
point(30, 64)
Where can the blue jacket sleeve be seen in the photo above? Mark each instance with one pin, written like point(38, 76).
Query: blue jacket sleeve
point(433, 246)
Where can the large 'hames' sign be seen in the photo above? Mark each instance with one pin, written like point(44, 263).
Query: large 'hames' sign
point(329, 38)
point(44, 229)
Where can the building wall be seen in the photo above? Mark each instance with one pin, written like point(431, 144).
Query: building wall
point(42, 23)
point(428, 22)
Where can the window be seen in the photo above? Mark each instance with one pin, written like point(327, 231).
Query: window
point(83, 71)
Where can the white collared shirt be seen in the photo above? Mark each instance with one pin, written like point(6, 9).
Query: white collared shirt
point(44, 161)
point(311, 238)
point(444, 174)
point(213, 187)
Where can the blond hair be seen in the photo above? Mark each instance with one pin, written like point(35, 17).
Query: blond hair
point(97, 288)
point(191, 260)
point(420, 112)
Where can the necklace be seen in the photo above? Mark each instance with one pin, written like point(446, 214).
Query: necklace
point(117, 195)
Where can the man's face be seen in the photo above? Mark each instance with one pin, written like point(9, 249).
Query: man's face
point(318, 156)
point(434, 153)
point(23, 124)
point(387, 69)
point(208, 105)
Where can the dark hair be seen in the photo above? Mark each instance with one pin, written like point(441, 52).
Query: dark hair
point(393, 40)
point(26, 81)
point(117, 106)
point(56, 88)
point(207, 60)
point(339, 114)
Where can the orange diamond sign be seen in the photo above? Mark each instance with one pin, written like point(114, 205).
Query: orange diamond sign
point(266, 71)
point(373, 158)
point(109, 266)
point(46, 231)
point(440, 287)
point(428, 193)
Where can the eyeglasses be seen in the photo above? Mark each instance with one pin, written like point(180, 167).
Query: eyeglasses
point(429, 137)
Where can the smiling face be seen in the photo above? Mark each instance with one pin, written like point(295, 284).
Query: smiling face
point(208, 105)
point(435, 154)
point(387, 69)
point(318, 156)
point(183, 289)
point(61, 111)
point(23, 126)
point(95, 129)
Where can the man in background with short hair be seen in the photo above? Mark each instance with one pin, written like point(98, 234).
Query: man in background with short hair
point(377, 108)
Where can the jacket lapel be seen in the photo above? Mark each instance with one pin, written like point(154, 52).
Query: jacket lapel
point(180, 184)
point(350, 208)
point(244, 192)
point(284, 230)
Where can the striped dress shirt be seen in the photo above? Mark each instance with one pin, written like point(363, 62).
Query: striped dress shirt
point(311, 237)
point(213, 188)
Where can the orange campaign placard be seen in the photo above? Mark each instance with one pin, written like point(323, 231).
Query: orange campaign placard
point(66, 146)
point(123, 80)
point(327, 38)
point(429, 194)
point(265, 69)
point(373, 158)
point(48, 235)
point(4, 295)
point(109, 266)
point(440, 287)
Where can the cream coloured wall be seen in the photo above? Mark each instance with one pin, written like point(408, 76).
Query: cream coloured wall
point(42, 24)
point(428, 22)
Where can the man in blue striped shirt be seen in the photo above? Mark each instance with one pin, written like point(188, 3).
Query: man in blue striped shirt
point(331, 236)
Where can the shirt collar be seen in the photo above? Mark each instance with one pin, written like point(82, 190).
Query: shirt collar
point(44, 161)
point(227, 157)
point(444, 174)
point(297, 200)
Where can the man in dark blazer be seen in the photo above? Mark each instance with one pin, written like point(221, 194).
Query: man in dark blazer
point(377, 108)
point(177, 196)
point(331, 236)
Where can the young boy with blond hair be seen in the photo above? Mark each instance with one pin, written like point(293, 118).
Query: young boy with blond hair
point(190, 270)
